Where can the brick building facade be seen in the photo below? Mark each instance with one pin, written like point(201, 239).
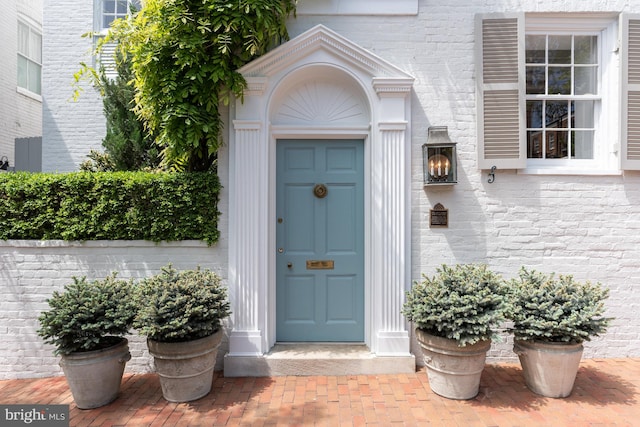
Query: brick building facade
point(404, 69)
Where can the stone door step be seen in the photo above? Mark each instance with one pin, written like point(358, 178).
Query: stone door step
point(304, 359)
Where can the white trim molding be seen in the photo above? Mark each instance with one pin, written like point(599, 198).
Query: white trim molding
point(357, 7)
point(293, 92)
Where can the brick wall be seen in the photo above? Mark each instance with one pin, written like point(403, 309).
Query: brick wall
point(71, 129)
point(587, 226)
point(32, 270)
point(20, 113)
point(8, 37)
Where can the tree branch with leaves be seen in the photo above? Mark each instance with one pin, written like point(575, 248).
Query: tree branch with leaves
point(185, 56)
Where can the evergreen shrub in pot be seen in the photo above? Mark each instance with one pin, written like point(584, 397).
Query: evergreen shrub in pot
point(552, 316)
point(455, 313)
point(86, 323)
point(181, 313)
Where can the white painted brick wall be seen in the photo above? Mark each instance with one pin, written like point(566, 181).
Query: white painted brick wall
point(28, 111)
point(32, 270)
point(587, 226)
point(581, 225)
point(71, 129)
point(20, 115)
point(8, 39)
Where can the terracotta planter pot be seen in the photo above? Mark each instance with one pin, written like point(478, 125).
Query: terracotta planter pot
point(94, 377)
point(454, 372)
point(185, 368)
point(549, 369)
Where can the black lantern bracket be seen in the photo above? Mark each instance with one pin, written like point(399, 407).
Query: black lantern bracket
point(439, 158)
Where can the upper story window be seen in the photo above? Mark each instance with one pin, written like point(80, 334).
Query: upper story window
point(107, 11)
point(549, 98)
point(29, 58)
point(112, 10)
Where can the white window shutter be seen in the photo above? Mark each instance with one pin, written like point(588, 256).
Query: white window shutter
point(107, 60)
point(500, 84)
point(630, 92)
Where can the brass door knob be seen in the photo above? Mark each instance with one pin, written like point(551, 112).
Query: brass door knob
point(320, 191)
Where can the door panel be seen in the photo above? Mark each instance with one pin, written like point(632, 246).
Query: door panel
point(320, 260)
point(341, 218)
point(299, 199)
point(343, 292)
point(300, 299)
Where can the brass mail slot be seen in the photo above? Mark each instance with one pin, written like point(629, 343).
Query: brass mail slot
point(319, 265)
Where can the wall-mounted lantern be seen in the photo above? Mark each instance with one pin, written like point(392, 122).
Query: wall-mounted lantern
point(439, 158)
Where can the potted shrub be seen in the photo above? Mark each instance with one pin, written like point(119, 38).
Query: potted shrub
point(454, 313)
point(552, 316)
point(86, 322)
point(181, 314)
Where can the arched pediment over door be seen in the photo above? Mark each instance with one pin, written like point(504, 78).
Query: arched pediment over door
point(319, 85)
point(317, 96)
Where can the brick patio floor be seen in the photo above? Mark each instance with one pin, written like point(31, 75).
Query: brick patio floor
point(606, 393)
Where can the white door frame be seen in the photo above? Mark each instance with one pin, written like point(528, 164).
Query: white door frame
point(291, 93)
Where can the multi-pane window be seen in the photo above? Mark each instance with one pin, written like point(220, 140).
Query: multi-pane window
point(562, 95)
point(29, 58)
point(112, 10)
point(105, 12)
point(552, 97)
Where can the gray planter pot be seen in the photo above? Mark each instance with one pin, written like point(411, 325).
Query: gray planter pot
point(94, 377)
point(454, 372)
point(549, 369)
point(185, 368)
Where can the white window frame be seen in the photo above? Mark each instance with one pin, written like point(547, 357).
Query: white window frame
point(606, 160)
point(32, 28)
point(106, 58)
point(98, 15)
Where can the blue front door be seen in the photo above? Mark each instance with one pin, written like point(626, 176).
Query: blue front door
point(320, 240)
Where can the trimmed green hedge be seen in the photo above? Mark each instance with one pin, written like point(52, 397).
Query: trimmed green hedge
point(109, 206)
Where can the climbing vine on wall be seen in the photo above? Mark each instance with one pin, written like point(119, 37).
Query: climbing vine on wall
point(185, 55)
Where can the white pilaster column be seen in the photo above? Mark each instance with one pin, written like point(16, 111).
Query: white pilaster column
point(248, 238)
point(391, 221)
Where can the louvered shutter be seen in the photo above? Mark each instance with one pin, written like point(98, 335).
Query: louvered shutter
point(501, 108)
point(107, 60)
point(631, 92)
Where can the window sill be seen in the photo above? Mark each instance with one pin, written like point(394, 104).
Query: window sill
point(558, 171)
point(29, 94)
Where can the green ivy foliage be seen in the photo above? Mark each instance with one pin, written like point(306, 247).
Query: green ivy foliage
point(185, 56)
point(109, 206)
point(87, 316)
point(462, 303)
point(556, 309)
point(178, 306)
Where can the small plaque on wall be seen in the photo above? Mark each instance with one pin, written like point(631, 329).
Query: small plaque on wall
point(439, 216)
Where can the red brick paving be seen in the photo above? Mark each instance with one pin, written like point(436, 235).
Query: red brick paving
point(606, 393)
